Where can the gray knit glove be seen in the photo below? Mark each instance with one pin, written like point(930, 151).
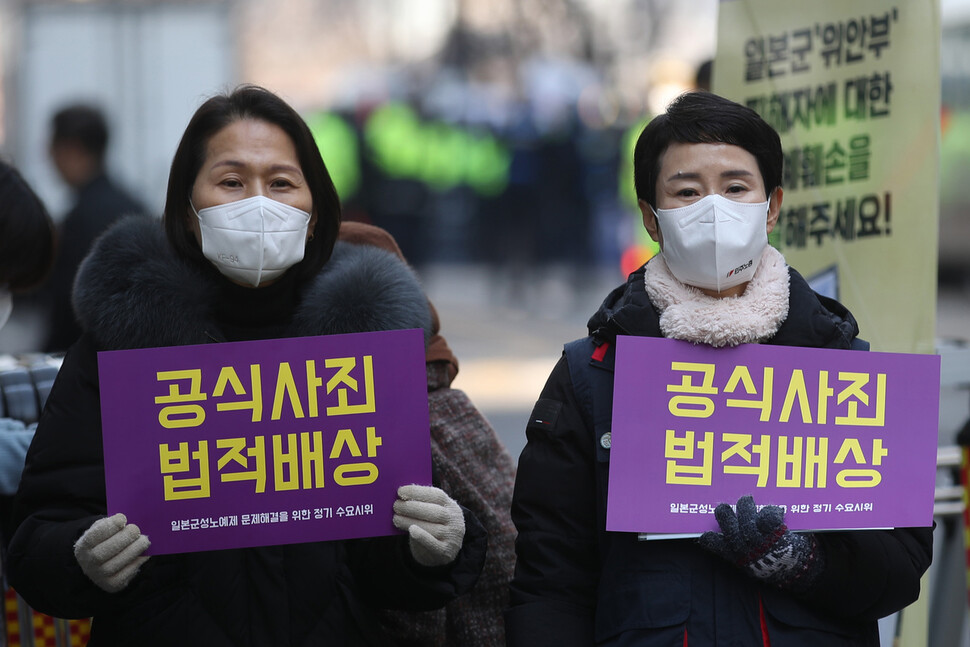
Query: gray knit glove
point(761, 544)
point(434, 522)
point(110, 552)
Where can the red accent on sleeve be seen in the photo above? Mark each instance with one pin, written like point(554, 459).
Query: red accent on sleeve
point(764, 625)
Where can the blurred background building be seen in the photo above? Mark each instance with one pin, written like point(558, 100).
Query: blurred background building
point(446, 104)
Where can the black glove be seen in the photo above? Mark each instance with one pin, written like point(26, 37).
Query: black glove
point(762, 545)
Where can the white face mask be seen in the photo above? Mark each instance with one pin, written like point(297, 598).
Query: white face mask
point(6, 305)
point(714, 243)
point(253, 240)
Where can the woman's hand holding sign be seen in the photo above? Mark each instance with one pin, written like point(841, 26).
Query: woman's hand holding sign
point(110, 552)
point(433, 521)
point(759, 542)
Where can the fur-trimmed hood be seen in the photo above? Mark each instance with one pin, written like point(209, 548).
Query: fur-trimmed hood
point(132, 291)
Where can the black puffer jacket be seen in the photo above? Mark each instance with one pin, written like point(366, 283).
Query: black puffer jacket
point(576, 584)
point(132, 292)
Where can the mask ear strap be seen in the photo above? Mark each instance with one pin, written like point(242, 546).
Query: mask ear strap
point(656, 218)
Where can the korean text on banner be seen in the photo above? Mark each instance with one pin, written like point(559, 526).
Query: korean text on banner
point(264, 442)
point(853, 88)
point(840, 439)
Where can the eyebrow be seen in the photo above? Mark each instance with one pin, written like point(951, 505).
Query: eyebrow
point(273, 167)
point(680, 175)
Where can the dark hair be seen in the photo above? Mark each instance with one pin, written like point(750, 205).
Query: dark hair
point(219, 111)
point(84, 125)
point(705, 118)
point(26, 233)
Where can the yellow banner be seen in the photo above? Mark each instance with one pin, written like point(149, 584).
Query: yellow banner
point(853, 88)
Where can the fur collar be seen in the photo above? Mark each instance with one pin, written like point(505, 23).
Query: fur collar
point(132, 291)
point(687, 313)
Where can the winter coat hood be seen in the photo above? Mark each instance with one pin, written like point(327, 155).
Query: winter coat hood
point(132, 291)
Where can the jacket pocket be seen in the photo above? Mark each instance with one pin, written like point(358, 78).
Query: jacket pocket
point(642, 600)
point(785, 613)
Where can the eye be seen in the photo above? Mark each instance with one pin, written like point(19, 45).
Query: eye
point(281, 183)
point(737, 188)
point(687, 192)
point(231, 183)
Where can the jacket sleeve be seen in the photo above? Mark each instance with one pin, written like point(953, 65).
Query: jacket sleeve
point(870, 574)
point(61, 494)
point(553, 592)
point(390, 578)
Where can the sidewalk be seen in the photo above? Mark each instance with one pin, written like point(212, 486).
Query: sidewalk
point(508, 340)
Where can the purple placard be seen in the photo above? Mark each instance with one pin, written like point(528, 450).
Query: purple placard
point(199, 463)
point(694, 426)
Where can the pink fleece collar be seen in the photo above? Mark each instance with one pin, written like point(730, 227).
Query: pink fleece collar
point(687, 313)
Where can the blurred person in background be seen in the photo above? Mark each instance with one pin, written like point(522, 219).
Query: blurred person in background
point(753, 582)
point(26, 254)
point(79, 142)
point(246, 161)
point(472, 465)
point(703, 75)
